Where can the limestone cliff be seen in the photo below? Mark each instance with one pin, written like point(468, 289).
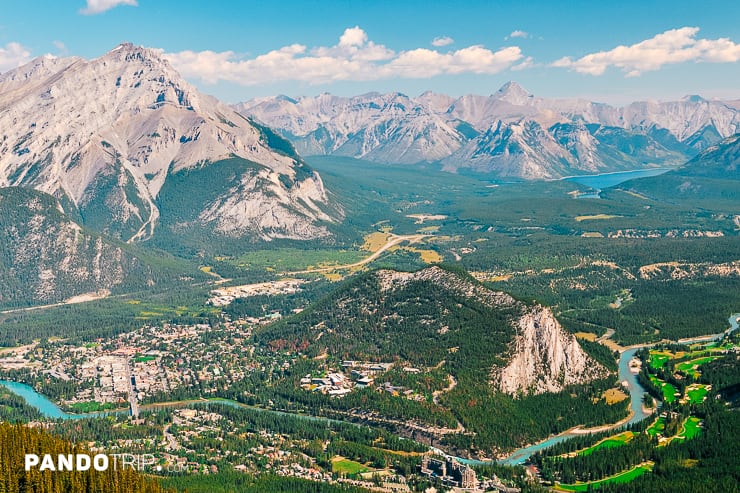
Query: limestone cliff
point(544, 357)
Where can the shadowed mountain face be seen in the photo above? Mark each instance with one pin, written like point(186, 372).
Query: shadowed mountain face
point(713, 175)
point(106, 136)
point(510, 133)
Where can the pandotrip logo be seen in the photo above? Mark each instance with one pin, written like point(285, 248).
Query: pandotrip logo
point(98, 462)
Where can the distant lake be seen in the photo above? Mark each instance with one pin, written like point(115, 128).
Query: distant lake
point(606, 180)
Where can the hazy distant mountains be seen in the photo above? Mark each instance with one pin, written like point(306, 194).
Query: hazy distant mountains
point(510, 133)
point(109, 137)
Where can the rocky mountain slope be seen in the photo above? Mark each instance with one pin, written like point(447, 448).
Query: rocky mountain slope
point(434, 315)
point(510, 133)
point(718, 161)
point(378, 127)
point(105, 136)
point(46, 257)
point(545, 358)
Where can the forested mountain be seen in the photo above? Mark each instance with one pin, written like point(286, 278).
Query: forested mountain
point(46, 257)
point(714, 174)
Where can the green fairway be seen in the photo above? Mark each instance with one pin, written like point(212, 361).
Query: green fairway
point(696, 393)
point(656, 427)
point(611, 442)
point(622, 477)
point(691, 367)
point(658, 359)
point(691, 427)
point(669, 391)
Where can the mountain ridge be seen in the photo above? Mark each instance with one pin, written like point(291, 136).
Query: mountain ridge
point(457, 132)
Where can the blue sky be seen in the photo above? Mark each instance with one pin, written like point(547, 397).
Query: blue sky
point(606, 51)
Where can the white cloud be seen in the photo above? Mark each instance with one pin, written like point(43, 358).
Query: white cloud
point(524, 64)
point(13, 55)
point(354, 58)
point(518, 34)
point(672, 46)
point(442, 41)
point(100, 6)
point(61, 47)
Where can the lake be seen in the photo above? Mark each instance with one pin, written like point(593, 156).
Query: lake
point(606, 180)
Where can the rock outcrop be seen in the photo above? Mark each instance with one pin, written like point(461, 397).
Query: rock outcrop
point(544, 357)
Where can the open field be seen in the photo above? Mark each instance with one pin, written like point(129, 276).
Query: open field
point(341, 465)
point(595, 217)
point(622, 477)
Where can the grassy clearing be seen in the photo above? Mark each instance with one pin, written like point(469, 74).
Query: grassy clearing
point(341, 465)
point(292, 259)
point(622, 477)
point(374, 241)
point(427, 256)
point(428, 229)
point(613, 396)
point(587, 336)
point(596, 217)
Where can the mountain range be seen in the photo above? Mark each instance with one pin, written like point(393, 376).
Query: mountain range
point(510, 133)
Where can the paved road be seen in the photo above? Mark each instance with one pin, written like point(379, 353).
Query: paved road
point(131, 394)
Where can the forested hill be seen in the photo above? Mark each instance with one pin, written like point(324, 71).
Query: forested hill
point(386, 314)
point(436, 316)
point(18, 440)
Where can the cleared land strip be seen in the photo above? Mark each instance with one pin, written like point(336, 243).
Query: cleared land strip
point(393, 240)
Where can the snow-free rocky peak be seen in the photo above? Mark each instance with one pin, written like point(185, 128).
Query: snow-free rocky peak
point(577, 136)
point(105, 136)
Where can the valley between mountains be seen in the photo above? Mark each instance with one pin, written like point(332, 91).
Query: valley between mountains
point(340, 290)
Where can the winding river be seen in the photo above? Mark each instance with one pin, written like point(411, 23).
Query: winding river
point(50, 410)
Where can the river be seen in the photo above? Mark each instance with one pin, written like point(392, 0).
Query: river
point(52, 411)
point(636, 391)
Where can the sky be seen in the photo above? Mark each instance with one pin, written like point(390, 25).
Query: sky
point(613, 52)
